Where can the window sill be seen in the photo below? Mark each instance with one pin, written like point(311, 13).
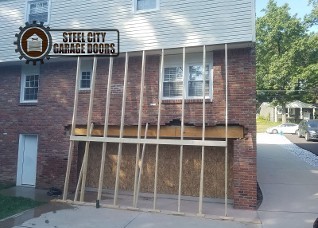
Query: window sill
point(145, 11)
point(28, 103)
point(46, 24)
point(84, 91)
point(179, 101)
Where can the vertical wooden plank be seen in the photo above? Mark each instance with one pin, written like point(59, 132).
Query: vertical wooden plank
point(226, 130)
point(81, 171)
point(203, 133)
point(158, 126)
point(121, 132)
point(182, 130)
point(70, 151)
point(78, 183)
point(141, 96)
point(141, 164)
point(106, 118)
point(89, 121)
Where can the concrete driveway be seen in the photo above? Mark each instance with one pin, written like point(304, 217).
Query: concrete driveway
point(289, 185)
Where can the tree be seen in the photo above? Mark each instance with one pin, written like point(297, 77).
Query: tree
point(305, 54)
point(312, 18)
point(285, 56)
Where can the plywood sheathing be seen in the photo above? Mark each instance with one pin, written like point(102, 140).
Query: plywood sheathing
point(168, 169)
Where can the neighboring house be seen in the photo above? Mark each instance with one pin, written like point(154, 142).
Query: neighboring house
point(316, 110)
point(37, 101)
point(267, 111)
point(295, 111)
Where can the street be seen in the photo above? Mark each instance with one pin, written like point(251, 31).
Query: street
point(311, 146)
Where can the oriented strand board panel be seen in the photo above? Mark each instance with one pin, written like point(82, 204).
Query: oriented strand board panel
point(234, 132)
point(168, 169)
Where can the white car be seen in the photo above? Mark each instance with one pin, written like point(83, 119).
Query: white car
point(287, 128)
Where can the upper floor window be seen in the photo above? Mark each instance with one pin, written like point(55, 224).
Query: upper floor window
point(38, 10)
point(173, 80)
point(86, 74)
point(145, 5)
point(29, 84)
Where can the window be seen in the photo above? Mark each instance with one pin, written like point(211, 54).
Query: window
point(85, 80)
point(146, 5)
point(172, 82)
point(86, 73)
point(38, 10)
point(173, 77)
point(29, 84)
point(195, 81)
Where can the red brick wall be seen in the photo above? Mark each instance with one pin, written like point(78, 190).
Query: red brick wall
point(244, 173)
point(53, 112)
point(47, 118)
point(242, 96)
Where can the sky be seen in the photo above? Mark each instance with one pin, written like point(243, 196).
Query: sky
point(299, 7)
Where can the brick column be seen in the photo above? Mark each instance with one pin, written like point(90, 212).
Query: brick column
point(245, 173)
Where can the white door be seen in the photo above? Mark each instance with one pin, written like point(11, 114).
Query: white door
point(27, 158)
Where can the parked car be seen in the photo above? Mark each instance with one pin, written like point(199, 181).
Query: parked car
point(287, 128)
point(308, 129)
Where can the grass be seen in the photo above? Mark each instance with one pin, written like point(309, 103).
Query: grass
point(262, 124)
point(6, 185)
point(11, 205)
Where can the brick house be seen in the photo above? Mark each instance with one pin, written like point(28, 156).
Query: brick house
point(38, 100)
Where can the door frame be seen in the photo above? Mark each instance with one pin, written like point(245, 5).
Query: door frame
point(20, 155)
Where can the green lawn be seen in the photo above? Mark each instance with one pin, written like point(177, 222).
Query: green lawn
point(262, 125)
point(10, 205)
point(5, 185)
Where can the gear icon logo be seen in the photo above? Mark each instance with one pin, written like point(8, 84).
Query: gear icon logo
point(34, 42)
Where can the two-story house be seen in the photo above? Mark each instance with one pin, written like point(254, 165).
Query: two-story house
point(178, 48)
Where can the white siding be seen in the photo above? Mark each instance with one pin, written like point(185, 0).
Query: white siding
point(11, 18)
point(176, 24)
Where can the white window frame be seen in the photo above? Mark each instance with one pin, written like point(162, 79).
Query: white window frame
point(27, 11)
point(86, 66)
point(135, 10)
point(27, 71)
point(191, 60)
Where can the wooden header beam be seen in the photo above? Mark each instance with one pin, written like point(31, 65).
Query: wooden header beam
point(234, 132)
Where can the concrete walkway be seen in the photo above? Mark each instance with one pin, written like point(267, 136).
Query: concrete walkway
point(289, 185)
point(90, 217)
